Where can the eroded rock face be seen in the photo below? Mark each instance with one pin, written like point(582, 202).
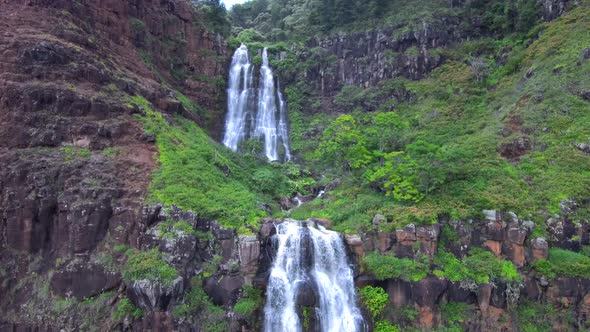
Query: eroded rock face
point(84, 281)
point(153, 295)
point(74, 162)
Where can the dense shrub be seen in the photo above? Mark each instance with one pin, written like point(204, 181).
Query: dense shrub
point(374, 299)
point(390, 267)
point(149, 265)
point(563, 263)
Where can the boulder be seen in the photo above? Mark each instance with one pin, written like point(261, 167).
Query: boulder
point(406, 234)
point(327, 223)
point(516, 235)
point(152, 295)
point(379, 219)
point(428, 232)
point(584, 147)
point(225, 289)
point(400, 292)
point(493, 246)
point(427, 291)
point(539, 249)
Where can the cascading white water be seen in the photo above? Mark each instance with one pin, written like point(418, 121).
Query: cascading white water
point(238, 93)
point(311, 256)
point(283, 128)
point(264, 120)
point(266, 124)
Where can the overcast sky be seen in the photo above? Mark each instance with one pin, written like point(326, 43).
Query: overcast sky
point(229, 3)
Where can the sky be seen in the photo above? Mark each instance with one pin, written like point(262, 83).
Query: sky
point(229, 3)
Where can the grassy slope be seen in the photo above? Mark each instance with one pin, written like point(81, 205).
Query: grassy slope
point(539, 84)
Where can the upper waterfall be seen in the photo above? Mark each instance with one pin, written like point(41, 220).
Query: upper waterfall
point(311, 259)
point(238, 92)
point(268, 120)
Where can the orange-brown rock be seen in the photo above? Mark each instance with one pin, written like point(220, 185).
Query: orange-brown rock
point(494, 246)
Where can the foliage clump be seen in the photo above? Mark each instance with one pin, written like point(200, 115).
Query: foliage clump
point(390, 267)
point(198, 309)
point(126, 308)
point(149, 265)
point(479, 267)
point(374, 299)
point(563, 263)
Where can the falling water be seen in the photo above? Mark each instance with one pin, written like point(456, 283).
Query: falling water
point(240, 81)
point(312, 258)
point(266, 125)
point(283, 128)
point(267, 121)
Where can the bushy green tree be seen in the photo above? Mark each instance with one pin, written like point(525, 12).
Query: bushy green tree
point(343, 145)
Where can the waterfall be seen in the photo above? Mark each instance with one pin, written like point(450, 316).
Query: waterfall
point(283, 128)
point(311, 259)
point(267, 121)
point(240, 81)
point(266, 125)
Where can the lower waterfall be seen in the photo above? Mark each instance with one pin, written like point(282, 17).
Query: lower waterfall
point(311, 259)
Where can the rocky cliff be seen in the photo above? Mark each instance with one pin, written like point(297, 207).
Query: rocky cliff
point(75, 163)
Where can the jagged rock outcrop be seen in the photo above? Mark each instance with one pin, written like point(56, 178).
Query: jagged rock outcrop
point(366, 58)
point(502, 233)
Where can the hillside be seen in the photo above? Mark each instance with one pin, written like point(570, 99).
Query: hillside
point(449, 141)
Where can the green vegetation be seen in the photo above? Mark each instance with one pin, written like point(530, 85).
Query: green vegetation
point(251, 300)
point(563, 263)
point(390, 267)
point(384, 326)
point(174, 229)
point(126, 308)
point(149, 265)
point(197, 307)
point(72, 154)
point(451, 134)
point(198, 174)
point(479, 267)
point(532, 317)
point(374, 299)
point(455, 313)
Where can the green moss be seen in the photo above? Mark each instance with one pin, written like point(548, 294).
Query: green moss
point(389, 267)
point(149, 265)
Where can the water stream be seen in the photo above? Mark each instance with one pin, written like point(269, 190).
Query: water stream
point(311, 259)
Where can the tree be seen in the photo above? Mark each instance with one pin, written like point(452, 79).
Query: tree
point(343, 145)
